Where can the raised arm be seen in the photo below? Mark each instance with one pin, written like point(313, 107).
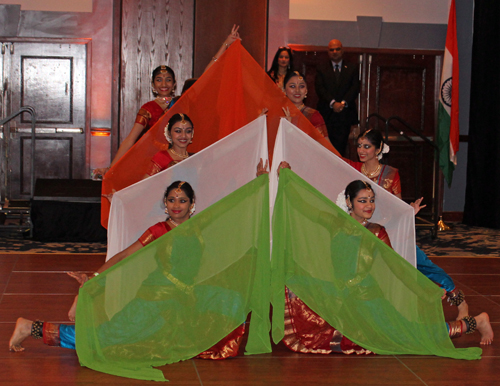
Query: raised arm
point(232, 37)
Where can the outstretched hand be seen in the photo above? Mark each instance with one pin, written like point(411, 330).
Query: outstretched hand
point(288, 116)
point(416, 205)
point(80, 277)
point(233, 36)
point(109, 196)
point(98, 173)
point(261, 168)
point(283, 165)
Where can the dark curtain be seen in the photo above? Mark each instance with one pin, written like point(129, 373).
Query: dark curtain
point(482, 195)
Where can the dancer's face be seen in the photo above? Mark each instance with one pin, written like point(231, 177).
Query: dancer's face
point(363, 205)
point(296, 89)
point(164, 84)
point(181, 134)
point(366, 150)
point(284, 59)
point(178, 205)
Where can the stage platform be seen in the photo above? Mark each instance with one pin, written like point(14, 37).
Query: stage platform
point(36, 286)
point(67, 210)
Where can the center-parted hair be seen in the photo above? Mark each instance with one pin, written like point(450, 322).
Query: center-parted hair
point(290, 75)
point(185, 187)
point(374, 137)
point(160, 69)
point(352, 190)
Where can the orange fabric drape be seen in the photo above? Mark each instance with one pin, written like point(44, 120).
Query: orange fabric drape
point(229, 95)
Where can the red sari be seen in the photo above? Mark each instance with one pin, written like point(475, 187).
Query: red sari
point(228, 346)
point(161, 161)
point(388, 178)
point(307, 332)
point(150, 113)
point(316, 119)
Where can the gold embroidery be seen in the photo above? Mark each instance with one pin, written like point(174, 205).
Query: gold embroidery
point(143, 117)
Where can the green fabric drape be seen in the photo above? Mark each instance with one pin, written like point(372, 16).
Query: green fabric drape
point(353, 280)
point(184, 292)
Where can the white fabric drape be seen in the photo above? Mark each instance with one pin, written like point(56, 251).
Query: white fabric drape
point(213, 173)
point(330, 175)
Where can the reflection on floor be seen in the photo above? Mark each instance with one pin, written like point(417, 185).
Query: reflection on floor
point(36, 286)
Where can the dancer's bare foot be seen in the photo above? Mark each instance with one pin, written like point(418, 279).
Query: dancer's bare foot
point(72, 310)
point(80, 277)
point(484, 328)
point(463, 310)
point(21, 332)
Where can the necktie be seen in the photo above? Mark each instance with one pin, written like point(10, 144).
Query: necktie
point(337, 72)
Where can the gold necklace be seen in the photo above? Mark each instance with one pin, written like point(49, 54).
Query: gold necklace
point(177, 154)
point(173, 222)
point(372, 174)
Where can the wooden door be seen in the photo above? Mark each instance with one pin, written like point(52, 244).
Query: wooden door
point(51, 77)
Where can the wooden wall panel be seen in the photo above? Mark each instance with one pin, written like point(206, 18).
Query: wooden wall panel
point(214, 21)
point(153, 33)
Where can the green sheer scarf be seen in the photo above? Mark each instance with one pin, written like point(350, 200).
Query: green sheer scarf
point(353, 280)
point(184, 292)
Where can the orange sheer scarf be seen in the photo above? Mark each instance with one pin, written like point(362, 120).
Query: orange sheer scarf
point(229, 95)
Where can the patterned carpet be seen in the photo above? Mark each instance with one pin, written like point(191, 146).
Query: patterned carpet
point(16, 243)
point(461, 240)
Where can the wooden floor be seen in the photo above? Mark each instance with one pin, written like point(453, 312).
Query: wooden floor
point(35, 286)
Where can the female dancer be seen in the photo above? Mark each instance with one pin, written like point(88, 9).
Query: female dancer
point(307, 332)
point(163, 88)
point(179, 133)
point(282, 63)
point(296, 91)
point(371, 148)
point(179, 206)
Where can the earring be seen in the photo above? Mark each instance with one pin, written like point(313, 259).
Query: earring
point(192, 136)
point(167, 135)
point(192, 209)
point(153, 90)
point(166, 211)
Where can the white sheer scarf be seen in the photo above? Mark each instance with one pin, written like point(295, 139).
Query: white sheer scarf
point(330, 175)
point(213, 173)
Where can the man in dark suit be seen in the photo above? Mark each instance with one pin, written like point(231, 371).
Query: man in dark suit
point(337, 86)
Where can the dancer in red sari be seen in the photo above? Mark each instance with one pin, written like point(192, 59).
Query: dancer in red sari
point(296, 91)
point(179, 133)
point(307, 332)
point(179, 206)
point(163, 87)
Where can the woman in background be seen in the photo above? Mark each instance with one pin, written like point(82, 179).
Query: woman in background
point(282, 63)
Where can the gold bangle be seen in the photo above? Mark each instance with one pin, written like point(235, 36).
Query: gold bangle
point(214, 59)
point(95, 274)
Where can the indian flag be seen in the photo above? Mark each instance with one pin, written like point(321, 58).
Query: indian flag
point(447, 135)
